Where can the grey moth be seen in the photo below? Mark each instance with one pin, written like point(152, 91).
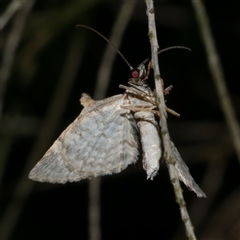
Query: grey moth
point(103, 139)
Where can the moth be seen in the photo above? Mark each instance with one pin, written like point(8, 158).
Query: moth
point(103, 139)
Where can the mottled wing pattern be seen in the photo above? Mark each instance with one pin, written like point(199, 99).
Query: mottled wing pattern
point(100, 141)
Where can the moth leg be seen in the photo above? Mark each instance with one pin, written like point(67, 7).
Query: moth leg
point(157, 112)
point(136, 90)
point(139, 108)
point(148, 108)
point(172, 112)
point(132, 90)
point(167, 90)
point(145, 96)
point(140, 89)
point(148, 71)
point(168, 110)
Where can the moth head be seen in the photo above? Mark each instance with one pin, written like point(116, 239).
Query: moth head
point(138, 75)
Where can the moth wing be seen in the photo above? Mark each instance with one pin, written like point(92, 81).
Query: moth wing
point(52, 167)
point(184, 174)
point(101, 140)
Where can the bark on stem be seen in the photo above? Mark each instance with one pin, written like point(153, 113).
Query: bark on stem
point(167, 155)
point(217, 74)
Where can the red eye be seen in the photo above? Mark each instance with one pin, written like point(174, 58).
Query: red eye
point(135, 73)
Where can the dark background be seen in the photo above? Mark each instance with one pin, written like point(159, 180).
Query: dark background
point(51, 50)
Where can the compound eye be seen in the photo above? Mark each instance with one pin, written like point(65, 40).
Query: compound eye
point(135, 73)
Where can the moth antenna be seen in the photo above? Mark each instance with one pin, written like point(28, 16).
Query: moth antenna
point(166, 49)
point(108, 41)
point(122, 56)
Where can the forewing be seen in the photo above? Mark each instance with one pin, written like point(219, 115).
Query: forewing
point(52, 167)
point(102, 140)
point(184, 174)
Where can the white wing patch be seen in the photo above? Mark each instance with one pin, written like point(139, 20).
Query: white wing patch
point(101, 140)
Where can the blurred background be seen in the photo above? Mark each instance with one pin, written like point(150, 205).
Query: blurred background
point(47, 63)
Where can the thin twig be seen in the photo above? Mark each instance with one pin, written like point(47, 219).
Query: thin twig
point(217, 73)
point(103, 79)
point(9, 13)
point(11, 46)
point(168, 155)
